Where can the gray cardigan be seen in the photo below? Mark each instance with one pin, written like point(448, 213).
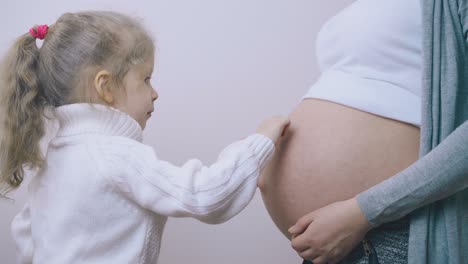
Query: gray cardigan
point(434, 189)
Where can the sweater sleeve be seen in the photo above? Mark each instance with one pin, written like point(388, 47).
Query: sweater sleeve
point(440, 173)
point(22, 236)
point(211, 194)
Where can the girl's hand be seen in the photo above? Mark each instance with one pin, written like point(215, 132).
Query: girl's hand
point(328, 234)
point(274, 127)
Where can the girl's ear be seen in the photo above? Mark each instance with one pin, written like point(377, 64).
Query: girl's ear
point(103, 89)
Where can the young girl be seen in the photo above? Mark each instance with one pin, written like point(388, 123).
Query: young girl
point(100, 195)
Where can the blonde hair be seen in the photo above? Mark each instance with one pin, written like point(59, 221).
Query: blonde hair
point(35, 79)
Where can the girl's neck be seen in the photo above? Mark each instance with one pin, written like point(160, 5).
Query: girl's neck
point(83, 118)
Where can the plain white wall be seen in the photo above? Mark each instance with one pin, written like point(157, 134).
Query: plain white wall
point(222, 66)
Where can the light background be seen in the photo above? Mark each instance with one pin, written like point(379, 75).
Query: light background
point(222, 66)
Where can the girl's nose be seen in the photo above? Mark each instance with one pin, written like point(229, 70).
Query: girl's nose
point(154, 95)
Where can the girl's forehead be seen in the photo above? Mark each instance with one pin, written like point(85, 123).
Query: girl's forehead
point(145, 67)
point(149, 65)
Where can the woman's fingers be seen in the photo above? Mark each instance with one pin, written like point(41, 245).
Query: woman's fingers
point(308, 254)
point(302, 224)
point(300, 243)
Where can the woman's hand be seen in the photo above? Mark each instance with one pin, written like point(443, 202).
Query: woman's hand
point(328, 234)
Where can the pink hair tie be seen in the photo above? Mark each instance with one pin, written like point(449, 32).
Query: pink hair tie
point(40, 32)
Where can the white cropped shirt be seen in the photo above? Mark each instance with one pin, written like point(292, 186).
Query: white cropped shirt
point(370, 58)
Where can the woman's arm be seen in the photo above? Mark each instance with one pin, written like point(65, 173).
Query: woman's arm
point(441, 173)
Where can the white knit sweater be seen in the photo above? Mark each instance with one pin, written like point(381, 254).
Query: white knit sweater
point(104, 197)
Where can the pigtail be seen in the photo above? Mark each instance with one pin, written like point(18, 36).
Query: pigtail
point(22, 109)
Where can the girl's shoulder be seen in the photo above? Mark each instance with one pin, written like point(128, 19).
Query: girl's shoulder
point(119, 152)
point(120, 146)
point(119, 160)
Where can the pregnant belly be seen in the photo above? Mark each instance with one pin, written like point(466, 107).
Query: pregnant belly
point(331, 153)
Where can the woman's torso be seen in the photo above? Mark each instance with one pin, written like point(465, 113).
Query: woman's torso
point(358, 125)
point(331, 153)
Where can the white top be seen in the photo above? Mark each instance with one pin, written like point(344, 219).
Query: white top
point(104, 197)
point(370, 57)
